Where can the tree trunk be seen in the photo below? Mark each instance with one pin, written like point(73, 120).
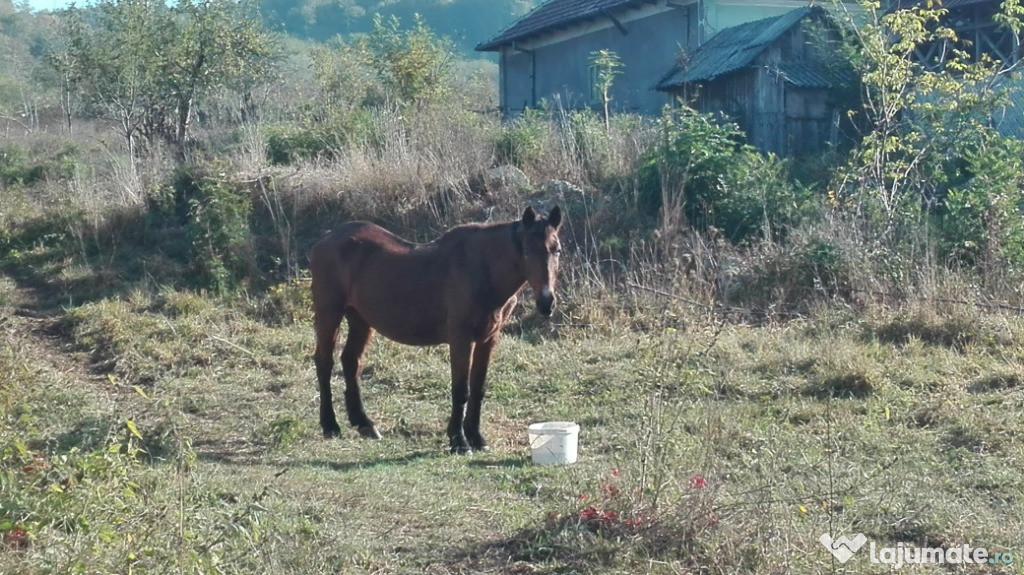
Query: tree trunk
point(65, 103)
point(183, 121)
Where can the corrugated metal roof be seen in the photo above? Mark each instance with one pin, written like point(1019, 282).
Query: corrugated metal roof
point(552, 15)
point(1009, 121)
point(949, 4)
point(733, 48)
point(805, 75)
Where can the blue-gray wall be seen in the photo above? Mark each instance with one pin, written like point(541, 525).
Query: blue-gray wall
point(560, 73)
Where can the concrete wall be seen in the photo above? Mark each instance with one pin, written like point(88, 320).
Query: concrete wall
point(556, 69)
point(559, 72)
point(720, 14)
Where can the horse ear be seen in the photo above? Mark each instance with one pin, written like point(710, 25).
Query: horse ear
point(529, 216)
point(555, 217)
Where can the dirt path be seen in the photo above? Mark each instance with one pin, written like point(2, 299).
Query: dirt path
point(34, 331)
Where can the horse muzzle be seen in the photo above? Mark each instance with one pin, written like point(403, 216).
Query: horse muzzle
point(546, 301)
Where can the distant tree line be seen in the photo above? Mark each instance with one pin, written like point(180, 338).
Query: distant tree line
point(466, 22)
point(144, 64)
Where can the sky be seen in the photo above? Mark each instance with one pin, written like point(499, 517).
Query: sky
point(49, 4)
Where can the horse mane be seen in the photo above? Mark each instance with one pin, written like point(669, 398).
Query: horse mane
point(461, 232)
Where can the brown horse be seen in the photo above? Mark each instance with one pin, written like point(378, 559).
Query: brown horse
point(458, 289)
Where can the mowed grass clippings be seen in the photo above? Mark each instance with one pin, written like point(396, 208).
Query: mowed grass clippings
point(704, 448)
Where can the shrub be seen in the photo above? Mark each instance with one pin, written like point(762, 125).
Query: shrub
point(683, 173)
point(982, 218)
point(701, 174)
point(288, 303)
point(523, 140)
point(321, 138)
point(790, 278)
point(290, 144)
point(593, 143)
point(217, 225)
point(760, 199)
point(16, 167)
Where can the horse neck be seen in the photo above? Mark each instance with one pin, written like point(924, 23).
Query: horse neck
point(503, 262)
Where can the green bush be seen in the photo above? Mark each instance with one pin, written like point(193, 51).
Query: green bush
point(981, 219)
point(589, 136)
point(703, 172)
point(790, 278)
point(288, 303)
point(599, 150)
point(523, 140)
point(759, 199)
point(311, 140)
point(17, 167)
point(217, 224)
point(290, 144)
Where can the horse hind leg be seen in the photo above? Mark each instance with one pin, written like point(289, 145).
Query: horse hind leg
point(359, 333)
point(327, 322)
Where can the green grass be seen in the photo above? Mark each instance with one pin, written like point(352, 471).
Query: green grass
point(720, 448)
point(149, 428)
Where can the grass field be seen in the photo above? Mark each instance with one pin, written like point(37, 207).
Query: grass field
point(160, 430)
point(762, 353)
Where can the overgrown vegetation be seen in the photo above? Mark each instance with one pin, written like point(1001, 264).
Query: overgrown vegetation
point(755, 358)
point(144, 65)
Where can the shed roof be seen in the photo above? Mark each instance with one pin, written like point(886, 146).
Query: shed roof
point(737, 47)
point(554, 15)
point(805, 75)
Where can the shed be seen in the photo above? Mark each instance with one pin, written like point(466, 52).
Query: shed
point(544, 57)
point(774, 77)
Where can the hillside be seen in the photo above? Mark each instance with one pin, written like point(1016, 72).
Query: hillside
point(467, 22)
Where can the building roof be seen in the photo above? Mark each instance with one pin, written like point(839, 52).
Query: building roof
point(1009, 121)
point(805, 75)
point(555, 15)
point(948, 4)
point(737, 47)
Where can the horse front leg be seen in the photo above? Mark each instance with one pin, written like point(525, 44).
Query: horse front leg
point(462, 355)
point(327, 322)
point(477, 390)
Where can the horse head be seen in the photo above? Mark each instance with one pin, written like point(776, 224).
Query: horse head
point(540, 249)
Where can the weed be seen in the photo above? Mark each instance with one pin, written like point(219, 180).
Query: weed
point(284, 430)
point(997, 382)
point(854, 384)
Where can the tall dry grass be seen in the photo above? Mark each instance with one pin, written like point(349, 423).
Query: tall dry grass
point(424, 170)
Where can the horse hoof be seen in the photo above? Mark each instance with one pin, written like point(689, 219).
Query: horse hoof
point(479, 444)
point(369, 432)
point(460, 446)
point(332, 432)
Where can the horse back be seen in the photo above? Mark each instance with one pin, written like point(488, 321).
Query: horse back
point(418, 294)
point(395, 285)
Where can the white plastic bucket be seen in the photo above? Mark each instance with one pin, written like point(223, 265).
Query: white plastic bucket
point(554, 442)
